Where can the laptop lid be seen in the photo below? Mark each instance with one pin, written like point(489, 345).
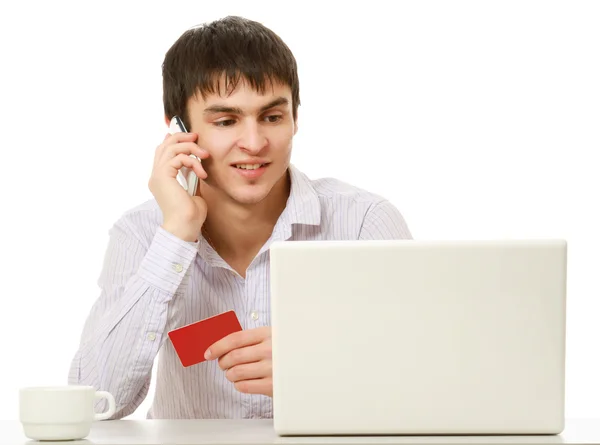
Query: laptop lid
point(418, 337)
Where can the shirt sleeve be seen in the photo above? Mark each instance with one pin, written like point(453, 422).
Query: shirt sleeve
point(384, 221)
point(128, 322)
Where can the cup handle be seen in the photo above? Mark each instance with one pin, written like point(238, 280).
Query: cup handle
point(112, 407)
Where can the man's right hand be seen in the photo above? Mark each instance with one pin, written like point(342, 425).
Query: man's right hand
point(183, 215)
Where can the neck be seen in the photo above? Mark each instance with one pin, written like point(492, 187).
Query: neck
point(235, 229)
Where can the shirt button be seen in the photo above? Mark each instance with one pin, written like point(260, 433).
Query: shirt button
point(151, 336)
point(254, 315)
point(177, 267)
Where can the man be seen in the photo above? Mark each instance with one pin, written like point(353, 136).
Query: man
point(178, 259)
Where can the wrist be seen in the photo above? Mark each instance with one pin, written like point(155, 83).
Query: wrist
point(185, 232)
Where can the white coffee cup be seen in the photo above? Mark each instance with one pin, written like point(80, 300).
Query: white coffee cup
point(61, 412)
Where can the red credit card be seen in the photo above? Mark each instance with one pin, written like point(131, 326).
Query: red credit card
point(192, 341)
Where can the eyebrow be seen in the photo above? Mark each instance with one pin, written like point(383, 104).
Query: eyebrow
point(236, 110)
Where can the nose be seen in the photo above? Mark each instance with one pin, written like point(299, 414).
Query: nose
point(252, 140)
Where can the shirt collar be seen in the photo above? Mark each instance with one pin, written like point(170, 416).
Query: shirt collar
point(303, 205)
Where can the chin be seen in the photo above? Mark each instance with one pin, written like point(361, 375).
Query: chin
point(249, 196)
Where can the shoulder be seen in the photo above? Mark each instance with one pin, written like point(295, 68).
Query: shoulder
point(336, 191)
point(336, 195)
point(348, 211)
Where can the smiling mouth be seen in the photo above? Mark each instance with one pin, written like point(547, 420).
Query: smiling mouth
point(249, 166)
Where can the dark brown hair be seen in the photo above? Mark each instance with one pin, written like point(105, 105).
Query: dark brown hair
point(233, 47)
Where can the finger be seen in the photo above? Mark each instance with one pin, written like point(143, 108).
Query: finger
point(237, 340)
point(199, 169)
point(180, 136)
point(257, 386)
point(250, 371)
point(183, 160)
point(189, 148)
point(172, 139)
point(248, 354)
point(175, 138)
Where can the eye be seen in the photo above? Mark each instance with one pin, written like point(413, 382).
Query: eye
point(273, 118)
point(225, 123)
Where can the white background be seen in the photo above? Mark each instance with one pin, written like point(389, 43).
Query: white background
point(477, 119)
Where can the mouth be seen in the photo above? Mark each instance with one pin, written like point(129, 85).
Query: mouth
point(250, 171)
point(249, 166)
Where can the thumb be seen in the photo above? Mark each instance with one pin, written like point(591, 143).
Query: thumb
point(200, 203)
point(198, 200)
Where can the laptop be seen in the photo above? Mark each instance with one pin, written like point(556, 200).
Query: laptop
point(409, 337)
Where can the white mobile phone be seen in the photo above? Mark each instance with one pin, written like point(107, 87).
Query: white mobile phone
point(186, 176)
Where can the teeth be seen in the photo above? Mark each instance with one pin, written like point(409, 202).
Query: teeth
point(249, 166)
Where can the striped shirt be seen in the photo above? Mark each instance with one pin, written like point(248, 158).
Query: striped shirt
point(152, 282)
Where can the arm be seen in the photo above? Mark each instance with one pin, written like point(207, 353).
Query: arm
point(128, 323)
point(383, 221)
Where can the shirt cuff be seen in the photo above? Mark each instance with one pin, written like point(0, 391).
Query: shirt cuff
point(167, 261)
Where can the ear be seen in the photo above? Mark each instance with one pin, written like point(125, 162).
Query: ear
point(295, 126)
point(167, 120)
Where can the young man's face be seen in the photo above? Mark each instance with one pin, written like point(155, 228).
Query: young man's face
point(243, 128)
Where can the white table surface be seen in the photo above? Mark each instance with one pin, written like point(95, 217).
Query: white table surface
point(255, 432)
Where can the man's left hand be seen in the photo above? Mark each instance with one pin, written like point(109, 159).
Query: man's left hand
point(246, 358)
